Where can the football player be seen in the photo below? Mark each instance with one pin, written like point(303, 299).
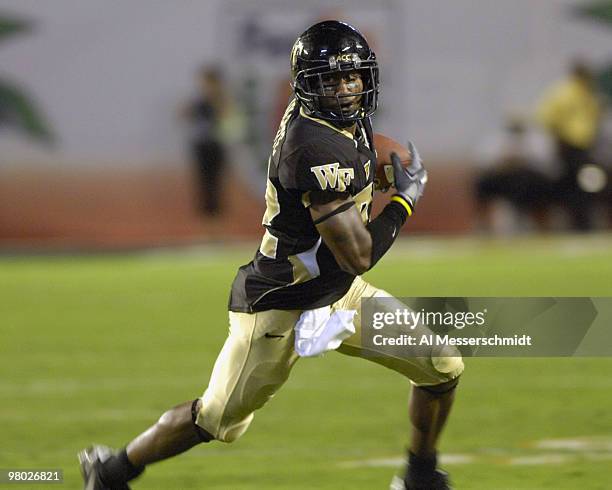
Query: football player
point(318, 240)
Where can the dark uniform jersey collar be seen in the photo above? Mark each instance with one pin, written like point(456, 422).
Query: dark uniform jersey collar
point(323, 122)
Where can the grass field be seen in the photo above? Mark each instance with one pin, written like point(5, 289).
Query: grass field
point(95, 348)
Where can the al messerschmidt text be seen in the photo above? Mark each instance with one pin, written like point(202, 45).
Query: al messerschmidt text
point(431, 339)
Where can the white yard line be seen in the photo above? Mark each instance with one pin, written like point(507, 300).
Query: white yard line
point(565, 450)
point(541, 459)
point(398, 462)
point(577, 444)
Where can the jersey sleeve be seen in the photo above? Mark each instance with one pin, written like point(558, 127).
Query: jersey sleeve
point(317, 167)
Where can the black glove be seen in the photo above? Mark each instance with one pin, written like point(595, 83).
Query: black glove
point(409, 181)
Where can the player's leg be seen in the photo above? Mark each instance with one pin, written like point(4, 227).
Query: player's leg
point(172, 434)
point(175, 432)
point(248, 374)
point(434, 378)
point(255, 361)
point(429, 409)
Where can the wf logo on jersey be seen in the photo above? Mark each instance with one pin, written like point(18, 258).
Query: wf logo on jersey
point(333, 176)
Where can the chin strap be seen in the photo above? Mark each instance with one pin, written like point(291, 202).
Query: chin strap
point(345, 123)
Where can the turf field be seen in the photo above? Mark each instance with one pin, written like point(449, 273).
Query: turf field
point(95, 348)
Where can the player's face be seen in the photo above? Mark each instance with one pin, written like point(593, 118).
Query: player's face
point(342, 85)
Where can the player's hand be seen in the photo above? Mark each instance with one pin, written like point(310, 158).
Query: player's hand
point(409, 181)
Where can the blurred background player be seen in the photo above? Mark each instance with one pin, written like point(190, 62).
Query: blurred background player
point(205, 114)
point(571, 111)
point(517, 191)
point(319, 239)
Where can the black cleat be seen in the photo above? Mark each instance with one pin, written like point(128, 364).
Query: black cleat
point(91, 460)
point(437, 481)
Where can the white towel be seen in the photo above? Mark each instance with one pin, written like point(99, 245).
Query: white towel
point(318, 331)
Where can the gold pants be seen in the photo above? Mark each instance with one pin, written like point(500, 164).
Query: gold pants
point(258, 355)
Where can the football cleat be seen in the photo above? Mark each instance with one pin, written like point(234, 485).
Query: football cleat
point(91, 460)
point(438, 481)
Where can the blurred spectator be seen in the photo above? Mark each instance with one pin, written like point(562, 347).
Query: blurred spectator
point(602, 155)
point(515, 191)
point(570, 111)
point(205, 114)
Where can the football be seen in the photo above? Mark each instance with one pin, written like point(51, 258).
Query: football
point(384, 170)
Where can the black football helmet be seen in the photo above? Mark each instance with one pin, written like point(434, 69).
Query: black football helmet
point(327, 48)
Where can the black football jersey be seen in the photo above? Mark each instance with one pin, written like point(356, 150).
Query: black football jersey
point(293, 268)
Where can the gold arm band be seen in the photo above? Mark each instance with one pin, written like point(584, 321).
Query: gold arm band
point(404, 203)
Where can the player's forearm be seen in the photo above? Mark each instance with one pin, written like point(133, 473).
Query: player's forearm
point(384, 229)
point(409, 183)
point(357, 252)
point(357, 248)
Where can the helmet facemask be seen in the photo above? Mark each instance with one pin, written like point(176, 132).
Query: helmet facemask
point(309, 89)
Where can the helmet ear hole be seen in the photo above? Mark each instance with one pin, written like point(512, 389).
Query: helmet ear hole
point(327, 48)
